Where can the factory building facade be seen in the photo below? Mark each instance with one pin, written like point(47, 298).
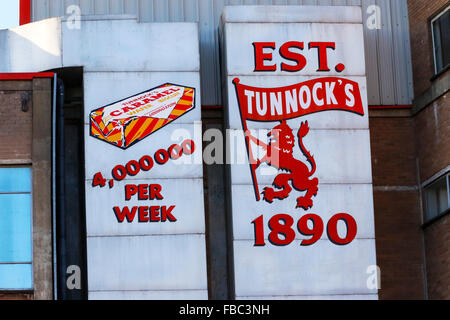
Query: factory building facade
point(225, 150)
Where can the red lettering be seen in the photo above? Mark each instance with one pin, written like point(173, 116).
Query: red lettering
point(161, 156)
point(260, 56)
point(167, 214)
point(322, 52)
point(126, 109)
point(133, 167)
point(143, 214)
point(352, 229)
point(125, 213)
point(143, 192)
point(130, 190)
point(293, 56)
point(146, 163)
point(137, 104)
point(154, 214)
point(155, 192)
point(119, 172)
point(156, 96)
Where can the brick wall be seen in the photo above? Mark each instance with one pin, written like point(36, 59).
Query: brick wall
point(420, 11)
point(432, 128)
point(433, 137)
point(396, 204)
point(437, 243)
point(15, 125)
point(433, 131)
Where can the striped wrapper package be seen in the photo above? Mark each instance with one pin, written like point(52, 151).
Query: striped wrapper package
point(128, 121)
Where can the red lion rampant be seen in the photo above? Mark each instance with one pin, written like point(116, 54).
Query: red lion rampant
point(279, 155)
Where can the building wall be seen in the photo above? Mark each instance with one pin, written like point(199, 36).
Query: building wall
point(420, 13)
point(437, 242)
point(432, 127)
point(388, 56)
point(15, 149)
point(433, 138)
point(14, 120)
point(396, 204)
point(25, 139)
point(397, 197)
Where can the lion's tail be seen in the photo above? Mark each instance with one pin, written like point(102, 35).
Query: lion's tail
point(302, 132)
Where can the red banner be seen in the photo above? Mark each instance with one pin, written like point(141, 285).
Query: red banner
point(276, 104)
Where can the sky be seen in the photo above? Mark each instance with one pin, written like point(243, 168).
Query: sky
point(9, 13)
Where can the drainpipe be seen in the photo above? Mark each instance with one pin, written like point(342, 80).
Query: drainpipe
point(60, 175)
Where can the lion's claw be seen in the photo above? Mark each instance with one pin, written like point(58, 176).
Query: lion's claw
point(304, 203)
point(268, 194)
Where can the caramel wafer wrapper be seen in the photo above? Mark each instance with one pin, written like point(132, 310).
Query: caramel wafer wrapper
point(131, 120)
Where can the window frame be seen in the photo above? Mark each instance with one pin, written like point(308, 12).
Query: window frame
point(432, 21)
point(31, 263)
point(427, 221)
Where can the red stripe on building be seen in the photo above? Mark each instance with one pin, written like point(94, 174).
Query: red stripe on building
point(24, 12)
point(25, 76)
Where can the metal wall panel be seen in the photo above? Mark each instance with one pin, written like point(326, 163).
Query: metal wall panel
point(388, 58)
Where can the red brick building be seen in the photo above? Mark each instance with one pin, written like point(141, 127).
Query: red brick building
point(411, 151)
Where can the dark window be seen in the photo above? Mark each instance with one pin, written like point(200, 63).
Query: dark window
point(437, 196)
point(441, 40)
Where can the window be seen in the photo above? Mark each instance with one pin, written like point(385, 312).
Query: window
point(437, 197)
point(15, 229)
point(440, 28)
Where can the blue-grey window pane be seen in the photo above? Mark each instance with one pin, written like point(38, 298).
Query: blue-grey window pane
point(16, 276)
point(15, 228)
point(15, 180)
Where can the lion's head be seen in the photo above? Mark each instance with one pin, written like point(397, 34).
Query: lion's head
point(282, 138)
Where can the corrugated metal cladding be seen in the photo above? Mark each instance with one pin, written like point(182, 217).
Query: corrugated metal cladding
point(388, 57)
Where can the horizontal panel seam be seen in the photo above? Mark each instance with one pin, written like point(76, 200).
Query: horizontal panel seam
point(144, 235)
point(310, 295)
point(148, 290)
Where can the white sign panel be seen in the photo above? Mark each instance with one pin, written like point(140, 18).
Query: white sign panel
point(301, 202)
point(144, 186)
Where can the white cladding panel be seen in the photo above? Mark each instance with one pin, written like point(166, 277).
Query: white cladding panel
point(128, 46)
point(185, 194)
point(24, 49)
point(106, 156)
point(120, 58)
point(151, 295)
point(340, 197)
point(348, 39)
point(123, 59)
point(338, 140)
point(149, 263)
point(320, 269)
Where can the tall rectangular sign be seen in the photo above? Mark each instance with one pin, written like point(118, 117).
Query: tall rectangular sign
point(144, 183)
point(301, 196)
